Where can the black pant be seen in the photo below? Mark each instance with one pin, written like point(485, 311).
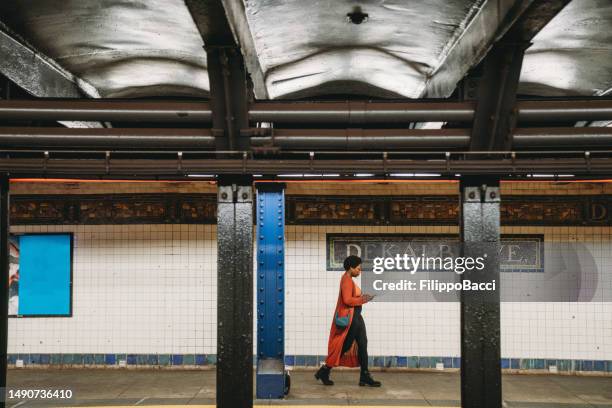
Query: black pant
point(357, 332)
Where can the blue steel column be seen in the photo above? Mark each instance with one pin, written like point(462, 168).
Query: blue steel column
point(270, 290)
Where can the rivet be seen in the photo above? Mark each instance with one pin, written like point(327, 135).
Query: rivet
point(472, 195)
point(224, 196)
point(492, 195)
point(245, 196)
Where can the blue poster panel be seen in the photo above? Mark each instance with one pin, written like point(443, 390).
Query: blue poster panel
point(40, 276)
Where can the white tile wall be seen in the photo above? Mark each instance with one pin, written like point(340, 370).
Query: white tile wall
point(136, 289)
point(152, 289)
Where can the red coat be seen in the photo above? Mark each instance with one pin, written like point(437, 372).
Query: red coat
point(349, 296)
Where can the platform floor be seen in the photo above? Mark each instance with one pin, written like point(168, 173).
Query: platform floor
point(104, 387)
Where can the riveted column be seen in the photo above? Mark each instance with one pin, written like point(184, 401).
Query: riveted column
point(480, 318)
point(235, 292)
point(270, 290)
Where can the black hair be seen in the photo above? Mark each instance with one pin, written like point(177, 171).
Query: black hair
point(352, 261)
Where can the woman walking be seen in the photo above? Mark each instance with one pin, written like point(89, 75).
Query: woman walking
point(348, 342)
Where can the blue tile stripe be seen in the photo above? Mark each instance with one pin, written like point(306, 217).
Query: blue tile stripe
point(427, 362)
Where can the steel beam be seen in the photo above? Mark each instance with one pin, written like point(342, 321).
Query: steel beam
point(480, 318)
point(39, 75)
point(236, 15)
point(493, 123)
point(521, 21)
point(228, 93)
point(4, 278)
point(226, 71)
point(270, 290)
point(150, 165)
point(235, 288)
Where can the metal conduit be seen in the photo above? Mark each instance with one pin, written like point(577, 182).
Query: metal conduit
point(361, 113)
point(349, 112)
point(106, 110)
point(385, 139)
point(312, 139)
point(107, 139)
point(571, 111)
point(582, 137)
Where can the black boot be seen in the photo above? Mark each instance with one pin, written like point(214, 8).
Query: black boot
point(366, 379)
point(323, 375)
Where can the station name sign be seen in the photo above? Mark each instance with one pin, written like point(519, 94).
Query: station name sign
point(517, 253)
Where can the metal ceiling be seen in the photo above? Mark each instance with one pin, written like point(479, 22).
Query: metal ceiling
point(140, 48)
point(572, 55)
point(123, 48)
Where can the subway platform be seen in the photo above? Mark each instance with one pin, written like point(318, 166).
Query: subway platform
point(169, 388)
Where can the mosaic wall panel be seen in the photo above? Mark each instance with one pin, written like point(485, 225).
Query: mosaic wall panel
point(114, 209)
point(374, 210)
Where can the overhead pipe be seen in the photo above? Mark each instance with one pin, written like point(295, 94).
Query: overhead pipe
point(107, 139)
point(361, 112)
point(568, 110)
point(348, 112)
point(380, 139)
point(106, 110)
point(583, 137)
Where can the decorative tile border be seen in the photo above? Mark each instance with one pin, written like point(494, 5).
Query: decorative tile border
point(414, 362)
point(161, 208)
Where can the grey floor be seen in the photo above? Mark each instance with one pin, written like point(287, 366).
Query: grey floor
point(106, 387)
